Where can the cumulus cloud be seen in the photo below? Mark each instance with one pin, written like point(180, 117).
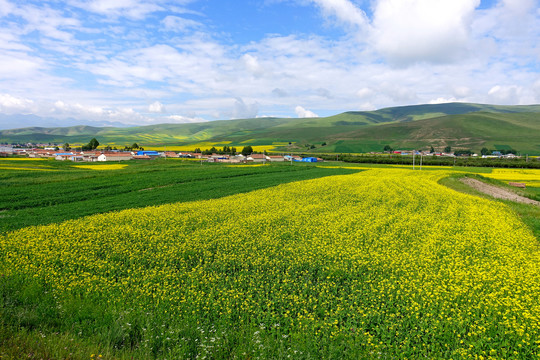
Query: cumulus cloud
point(243, 110)
point(408, 31)
point(364, 93)
point(344, 11)
point(182, 119)
point(252, 65)
point(15, 105)
point(279, 92)
point(303, 113)
point(508, 94)
point(156, 107)
point(442, 100)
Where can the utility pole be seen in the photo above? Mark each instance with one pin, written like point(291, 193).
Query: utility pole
point(413, 155)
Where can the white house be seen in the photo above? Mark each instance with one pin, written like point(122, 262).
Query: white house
point(115, 157)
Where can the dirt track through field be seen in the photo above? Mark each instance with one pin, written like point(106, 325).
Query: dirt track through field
point(498, 192)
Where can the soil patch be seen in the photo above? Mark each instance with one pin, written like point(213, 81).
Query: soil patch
point(498, 192)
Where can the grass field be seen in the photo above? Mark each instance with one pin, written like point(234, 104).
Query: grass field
point(331, 261)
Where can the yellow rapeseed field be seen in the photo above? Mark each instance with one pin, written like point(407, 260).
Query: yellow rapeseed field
point(531, 177)
point(385, 263)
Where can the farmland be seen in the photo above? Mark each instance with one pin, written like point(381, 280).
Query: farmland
point(271, 261)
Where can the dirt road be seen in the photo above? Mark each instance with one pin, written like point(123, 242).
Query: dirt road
point(498, 192)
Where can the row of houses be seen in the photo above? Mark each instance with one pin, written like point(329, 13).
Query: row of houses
point(92, 156)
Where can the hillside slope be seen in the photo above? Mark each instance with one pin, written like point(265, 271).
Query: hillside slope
point(460, 125)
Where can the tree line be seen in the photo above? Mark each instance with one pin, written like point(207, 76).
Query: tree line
point(226, 150)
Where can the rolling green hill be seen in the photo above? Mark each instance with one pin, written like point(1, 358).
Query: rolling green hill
point(460, 125)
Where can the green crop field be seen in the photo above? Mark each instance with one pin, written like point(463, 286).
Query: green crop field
point(35, 192)
point(175, 260)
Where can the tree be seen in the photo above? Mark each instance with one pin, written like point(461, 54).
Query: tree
point(431, 149)
point(135, 146)
point(448, 149)
point(485, 151)
point(66, 147)
point(247, 150)
point(197, 151)
point(388, 148)
point(93, 144)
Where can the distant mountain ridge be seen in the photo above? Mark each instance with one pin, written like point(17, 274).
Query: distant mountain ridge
point(460, 125)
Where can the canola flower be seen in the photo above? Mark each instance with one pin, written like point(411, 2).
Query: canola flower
point(33, 168)
point(384, 263)
point(531, 177)
point(22, 159)
point(102, 167)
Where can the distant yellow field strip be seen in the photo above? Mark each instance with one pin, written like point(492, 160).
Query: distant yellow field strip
point(530, 177)
point(3, 167)
point(102, 167)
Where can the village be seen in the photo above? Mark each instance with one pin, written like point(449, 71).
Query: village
point(117, 155)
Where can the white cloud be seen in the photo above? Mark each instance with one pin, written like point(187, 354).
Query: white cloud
point(408, 31)
point(442, 100)
point(156, 107)
point(243, 110)
point(183, 119)
point(303, 113)
point(252, 65)
point(136, 9)
point(505, 94)
point(15, 105)
point(364, 92)
point(344, 11)
point(179, 24)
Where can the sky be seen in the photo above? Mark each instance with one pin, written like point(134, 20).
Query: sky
point(141, 62)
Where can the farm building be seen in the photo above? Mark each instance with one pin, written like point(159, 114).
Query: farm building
point(258, 158)
point(151, 153)
point(274, 158)
point(170, 154)
point(141, 157)
point(114, 157)
point(309, 159)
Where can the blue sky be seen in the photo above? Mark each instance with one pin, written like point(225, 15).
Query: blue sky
point(139, 62)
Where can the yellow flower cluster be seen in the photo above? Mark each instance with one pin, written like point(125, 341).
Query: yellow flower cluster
point(385, 260)
point(531, 177)
point(102, 167)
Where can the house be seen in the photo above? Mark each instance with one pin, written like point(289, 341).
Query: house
point(90, 156)
point(63, 156)
point(170, 154)
point(40, 153)
point(151, 153)
point(258, 158)
point(141, 157)
point(6, 149)
point(309, 159)
point(274, 158)
point(119, 156)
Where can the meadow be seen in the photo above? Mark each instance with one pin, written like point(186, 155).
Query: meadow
point(347, 262)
